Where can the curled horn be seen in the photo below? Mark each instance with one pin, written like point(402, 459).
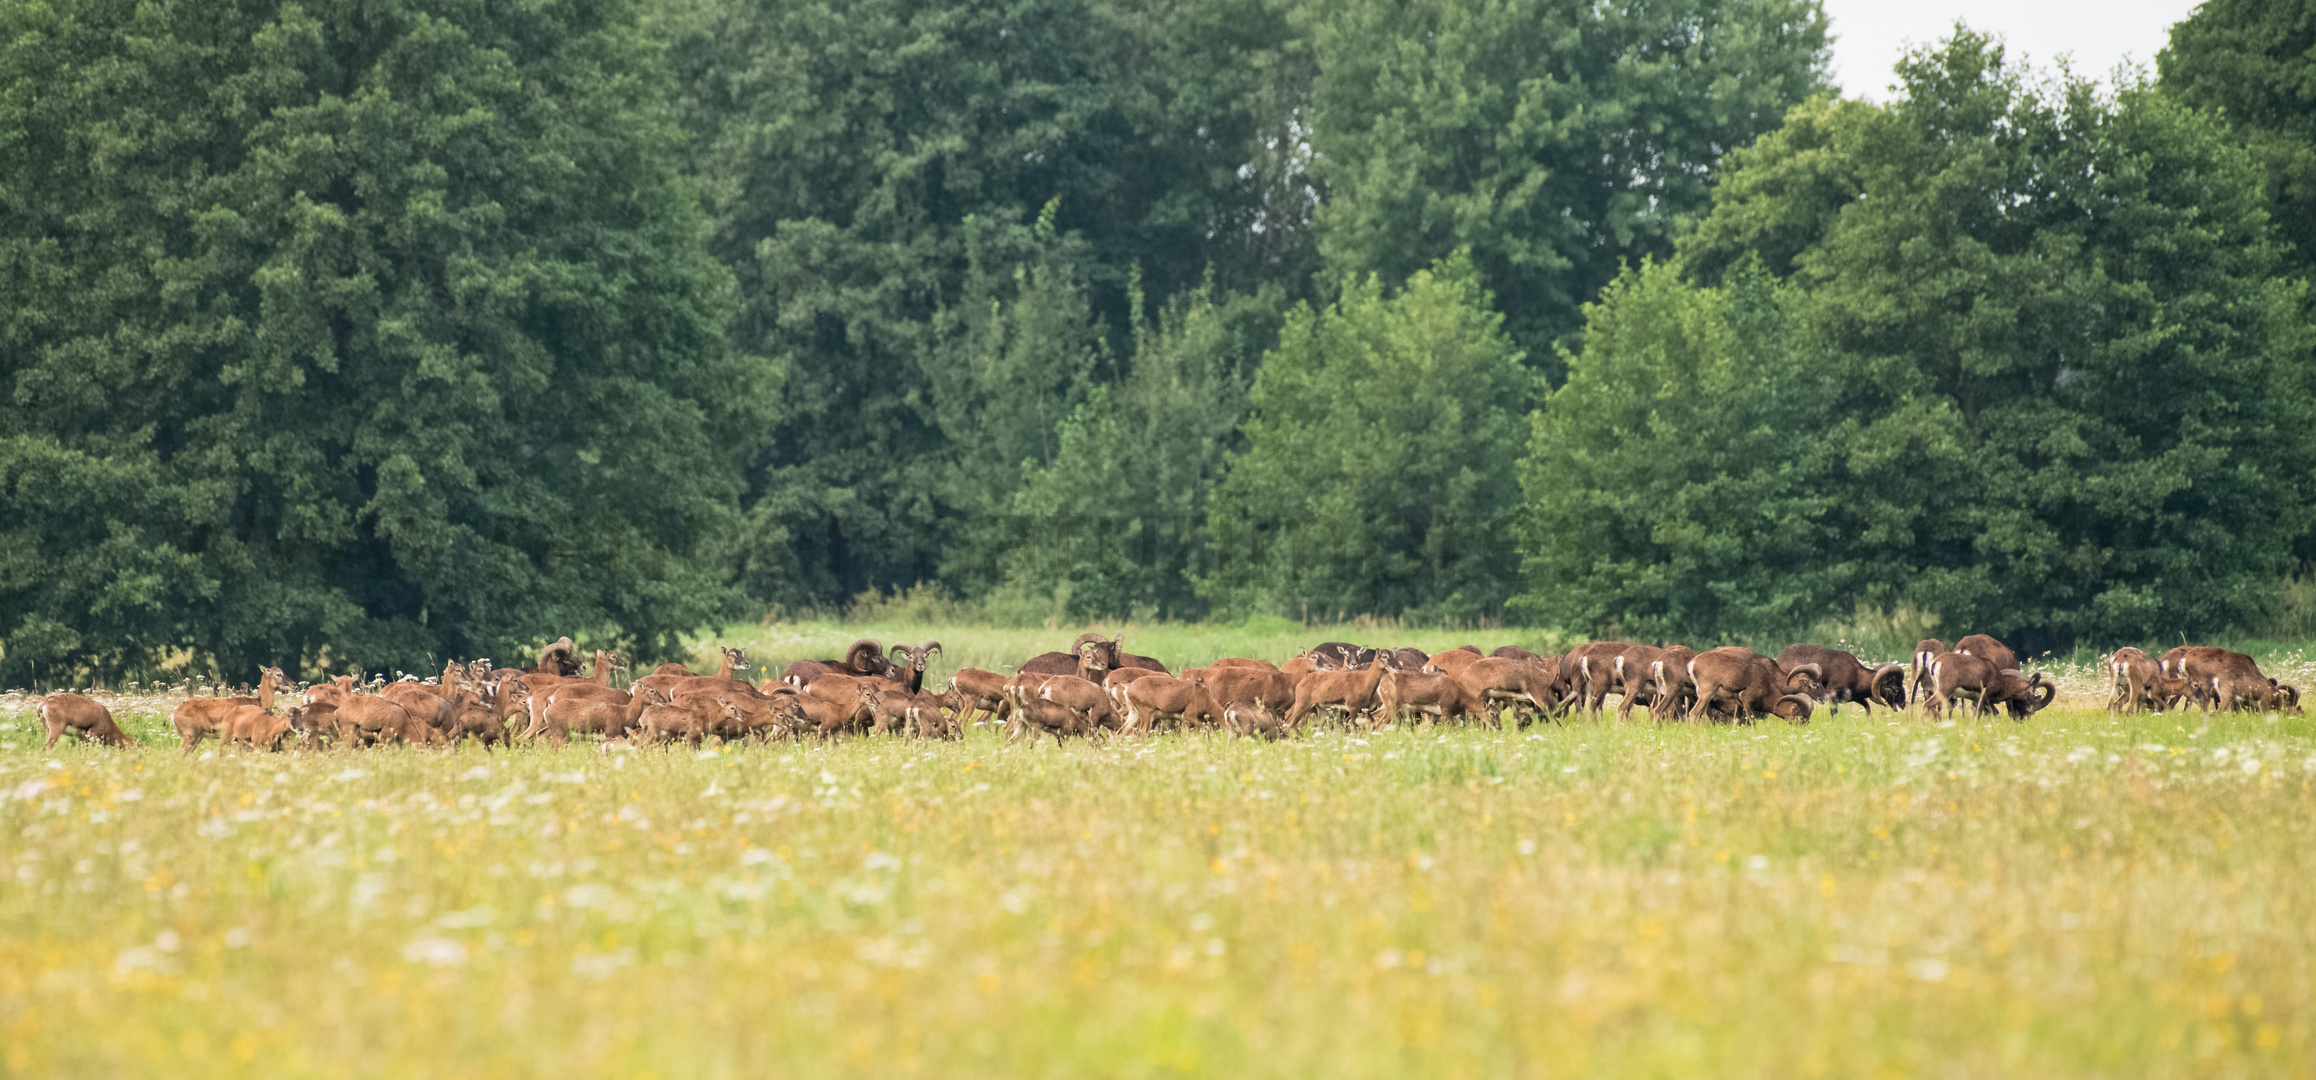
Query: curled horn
point(1884, 672)
point(1801, 702)
point(1078, 647)
point(1816, 674)
point(2049, 689)
point(916, 653)
point(863, 654)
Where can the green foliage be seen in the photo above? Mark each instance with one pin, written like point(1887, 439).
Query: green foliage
point(379, 328)
point(2062, 389)
point(1554, 140)
point(2064, 898)
point(1774, 199)
point(1679, 484)
point(2255, 61)
point(1379, 469)
point(1113, 522)
point(866, 166)
point(1020, 365)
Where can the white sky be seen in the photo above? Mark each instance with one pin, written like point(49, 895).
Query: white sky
point(1870, 35)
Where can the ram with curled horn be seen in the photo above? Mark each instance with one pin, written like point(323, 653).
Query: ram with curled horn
point(1959, 676)
point(865, 658)
point(1843, 678)
point(912, 663)
point(1101, 649)
point(1739, 684)
point(2230, 680)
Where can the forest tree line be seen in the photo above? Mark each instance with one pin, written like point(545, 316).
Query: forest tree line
point(406, 329)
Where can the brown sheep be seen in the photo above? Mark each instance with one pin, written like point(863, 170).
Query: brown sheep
point(1246, 719)
point(1965, 676)
point(1525, 685)
point(1035, 716)
point(1351, 691)
point(1234, 661)
point(312, 722)
point(1108, 654)
point(197, 718)
point(1426, 694)
point(363, 718)
point(2229, 680)
point(836, 702)
point(1675, 694)
point(1081, 696)
point(1847, 680)
point(1925, 651)
point(1622, 672)
point(2141, 683)
point(66, 711)
point(426, 706)
point(1116, 680)
point(731, 660)
point(254, 728)
point(931, 717)
point(1090, 658)
point(913, 659)
point(1149, 701)
point(543, 681)
point(974, 691)
point(1275, 690)
point(566, 716)
point(560, 659)
point(864, 657)
point(483, 716)
point(1454, 661)
point(1988, 649)
point(1748, 684)
point(824, 716)
point(691, 719)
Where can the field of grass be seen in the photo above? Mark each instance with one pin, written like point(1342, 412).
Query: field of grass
point(2073, 896)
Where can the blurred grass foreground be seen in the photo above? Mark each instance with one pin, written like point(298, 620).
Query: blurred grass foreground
point(2080, 895)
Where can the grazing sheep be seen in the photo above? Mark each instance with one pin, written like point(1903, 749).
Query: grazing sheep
point(66, 711)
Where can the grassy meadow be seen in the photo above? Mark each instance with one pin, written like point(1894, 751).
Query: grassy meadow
point(2078, 895)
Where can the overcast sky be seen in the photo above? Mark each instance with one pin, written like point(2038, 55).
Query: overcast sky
point(1869, 35)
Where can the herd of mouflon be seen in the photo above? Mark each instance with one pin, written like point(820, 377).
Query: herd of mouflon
point(1097, 687)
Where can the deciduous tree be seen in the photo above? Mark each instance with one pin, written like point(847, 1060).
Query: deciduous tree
point(373, 326)
point(2064, 376)
point(1378, 475)
point(1555, 140)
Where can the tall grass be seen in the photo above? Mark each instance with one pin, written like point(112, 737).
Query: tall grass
point(2075, 896)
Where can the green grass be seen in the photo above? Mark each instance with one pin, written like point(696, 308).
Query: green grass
point(2074, 896)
